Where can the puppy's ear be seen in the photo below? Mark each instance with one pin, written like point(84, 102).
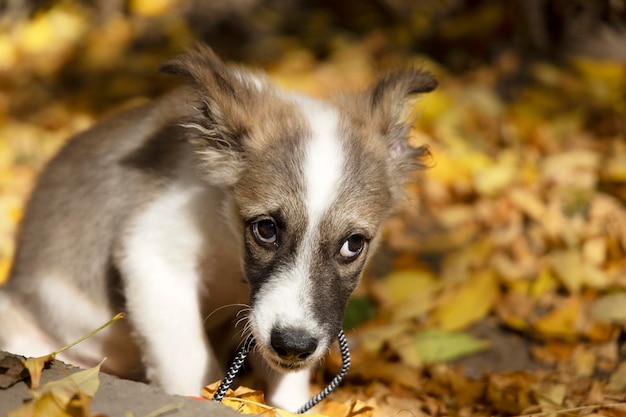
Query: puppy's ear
point(225, 102)
point(389, 102)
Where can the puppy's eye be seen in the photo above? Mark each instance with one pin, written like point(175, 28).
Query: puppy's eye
point(351, 248)
point(265, 232)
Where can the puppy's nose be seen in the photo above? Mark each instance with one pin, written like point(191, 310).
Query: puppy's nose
point(293, 344)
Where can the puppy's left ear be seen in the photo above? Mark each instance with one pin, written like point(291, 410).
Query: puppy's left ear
point(390, 108)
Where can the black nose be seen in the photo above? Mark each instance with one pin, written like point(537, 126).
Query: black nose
point(293, 344)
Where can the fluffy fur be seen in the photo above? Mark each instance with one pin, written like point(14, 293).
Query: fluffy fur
point(228, 196)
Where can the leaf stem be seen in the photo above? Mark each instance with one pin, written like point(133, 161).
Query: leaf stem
point(88, 335)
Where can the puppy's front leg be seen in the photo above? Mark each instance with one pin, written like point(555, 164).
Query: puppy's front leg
point(159, 265)
point(164, 311)
point(288, 391)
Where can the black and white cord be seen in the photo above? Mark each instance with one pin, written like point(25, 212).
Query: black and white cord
point(235, 366)
point(345, 365)
point(249, 343)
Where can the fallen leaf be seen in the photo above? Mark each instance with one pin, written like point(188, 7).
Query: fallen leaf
point(353, 408)
point(373, 336)
point(499, 177)
point(468, 303)
point(568, 266)
point(389, 372)
point(511, 393)
point(247, 401)
point(437, 345)
point(560, 322)
point(610, 308)
point(35, 368)
point(617, 381)
point(550, 396)
point(70, 396)
point(403, 285)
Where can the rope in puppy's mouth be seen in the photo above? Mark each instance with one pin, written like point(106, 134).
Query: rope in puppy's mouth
point(240, 358)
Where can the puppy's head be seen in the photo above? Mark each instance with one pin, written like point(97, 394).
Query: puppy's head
point(311, 182)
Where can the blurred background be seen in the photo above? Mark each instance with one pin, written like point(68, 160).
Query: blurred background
point(501, 285)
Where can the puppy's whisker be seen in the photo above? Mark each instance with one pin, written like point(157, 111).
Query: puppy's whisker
point(241, 320)
point(222, 308)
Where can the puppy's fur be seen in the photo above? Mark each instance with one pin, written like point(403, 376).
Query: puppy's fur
point(226, 192)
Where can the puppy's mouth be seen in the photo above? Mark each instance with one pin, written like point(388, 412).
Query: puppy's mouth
point(290, 365)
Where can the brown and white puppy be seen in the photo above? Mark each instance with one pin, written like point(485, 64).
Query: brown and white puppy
point(228, 191)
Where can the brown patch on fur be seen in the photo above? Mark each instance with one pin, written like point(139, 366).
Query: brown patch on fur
point(238, 113)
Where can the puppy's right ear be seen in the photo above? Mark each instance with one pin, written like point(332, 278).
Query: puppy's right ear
point(226, 99)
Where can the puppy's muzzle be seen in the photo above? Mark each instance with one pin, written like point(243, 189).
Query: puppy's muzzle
point(293, 345)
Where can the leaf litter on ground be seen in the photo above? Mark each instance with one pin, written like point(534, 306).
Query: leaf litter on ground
point(68, 396)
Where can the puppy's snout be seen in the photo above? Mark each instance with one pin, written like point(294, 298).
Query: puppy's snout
point(293, 344)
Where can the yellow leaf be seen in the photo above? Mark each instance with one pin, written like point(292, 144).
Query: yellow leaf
point(448, 169)
point(8, 55)
point(404, 347)
point(402, 285)
point(390, 373)
point(5, 265)
point(35, 365)
point(577, 169)
point(151, 7)
point(335, 409)
point(544, 284)
point(528, 203)
point(560, 322)
point(35, 368)
point(567, 264)
point(468, 303)
point(499, 177)
point(373, 337)
point(605, 80)
point(436, 104)
point(617, 381)
point(409, 292)
point(52, 31)
point(550, 395)
point(614, 169)
point(354, 408)
point(86, 382)
point(610, 308)
point(584, 362)
point(247, 401)
point(46, 406)
point(70, 396)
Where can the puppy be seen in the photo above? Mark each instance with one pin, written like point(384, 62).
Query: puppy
point(226, 195)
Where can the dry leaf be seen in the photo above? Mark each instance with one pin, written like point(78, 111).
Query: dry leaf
point(561, 322)
point(610, 308)
point(70, 396)
point(469, 303)
point(247, 401)
point(436, 345)
point(35, 367)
